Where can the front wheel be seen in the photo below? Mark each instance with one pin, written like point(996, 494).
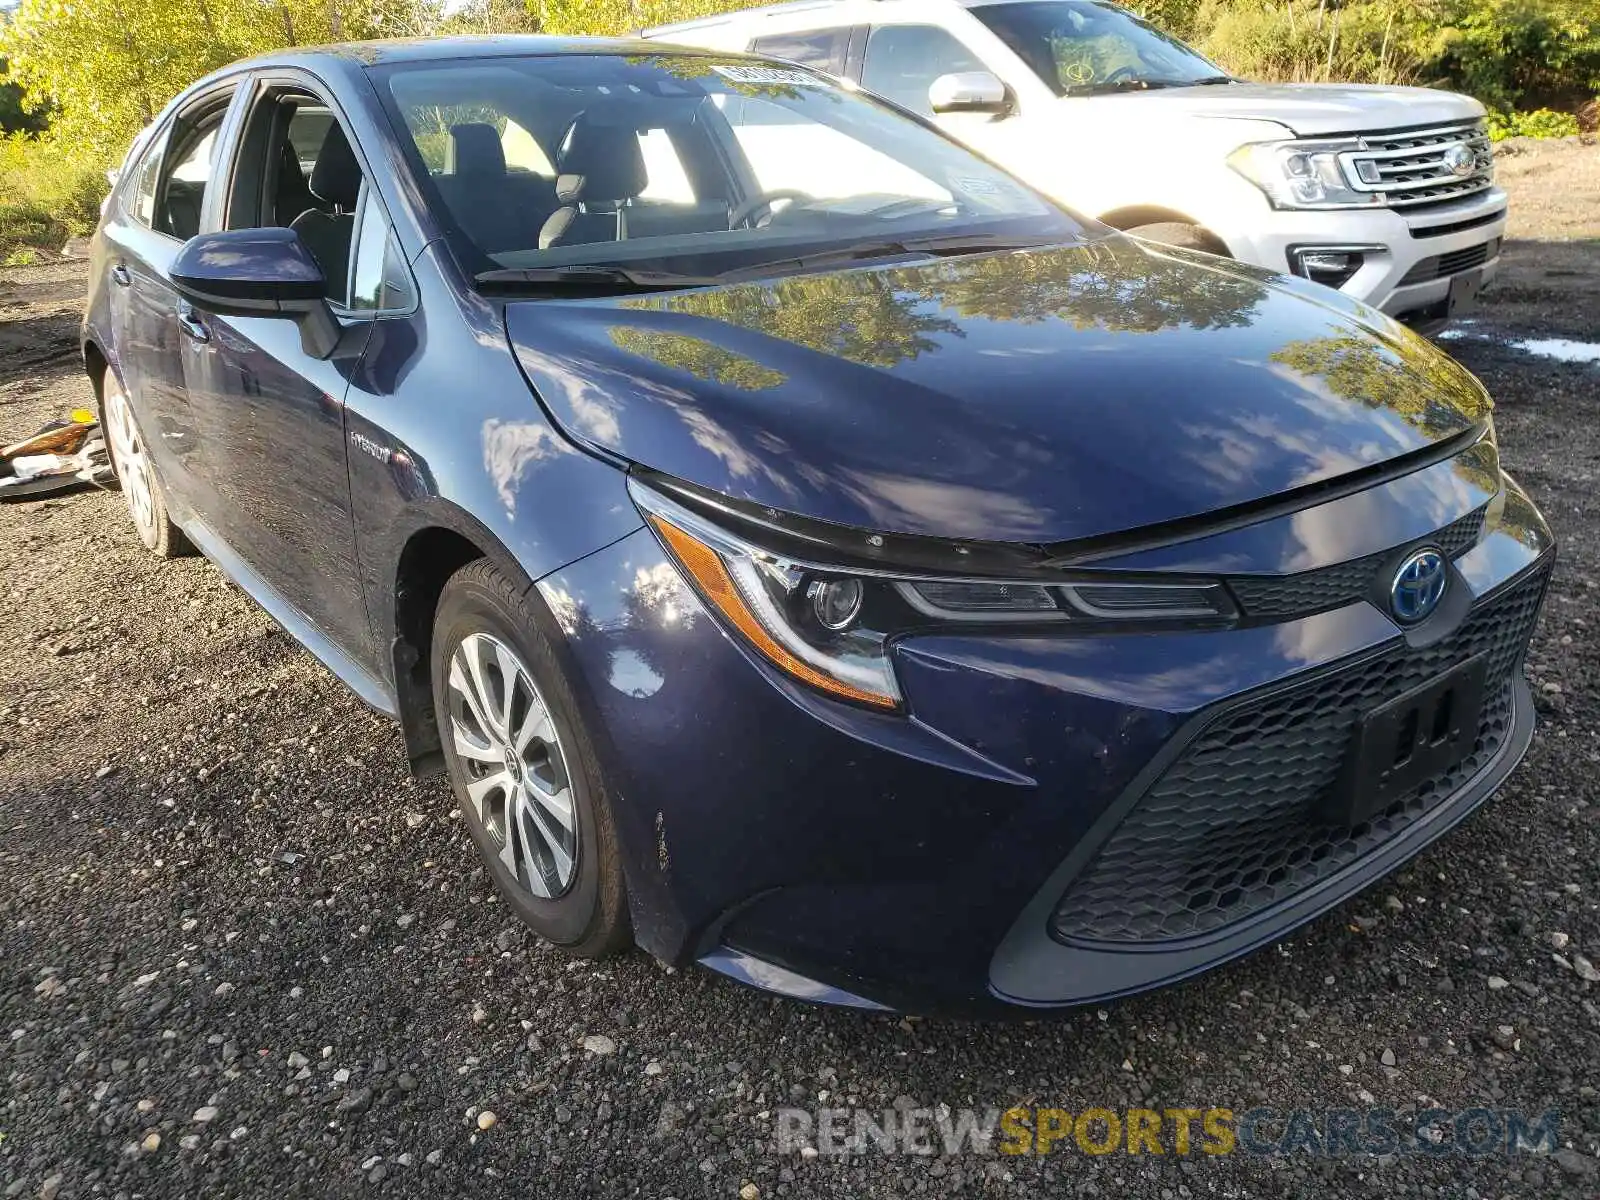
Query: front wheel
point(1182, 235)
point(522, 766)
point(141, 487)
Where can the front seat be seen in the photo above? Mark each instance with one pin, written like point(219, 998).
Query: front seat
point(497, 209)
point(602, 168)
point(336, 182)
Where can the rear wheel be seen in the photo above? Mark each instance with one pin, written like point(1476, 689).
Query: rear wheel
point(522, 766)
point(1182, 235)
point(141, 488)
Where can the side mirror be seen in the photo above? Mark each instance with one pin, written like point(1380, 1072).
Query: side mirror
point(258, 273)
point(969, 92)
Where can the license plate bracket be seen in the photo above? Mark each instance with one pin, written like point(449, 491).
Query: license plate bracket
point(1464, 289)
point(1408, 740)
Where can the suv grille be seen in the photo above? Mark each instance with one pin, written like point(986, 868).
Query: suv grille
point(1285, 597)
point(1420, 166)
point(1231, 827)
point(1442, 266)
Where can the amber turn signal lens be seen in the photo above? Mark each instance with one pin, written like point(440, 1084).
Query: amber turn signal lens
point(706, 566)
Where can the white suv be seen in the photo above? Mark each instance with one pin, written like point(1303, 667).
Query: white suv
point(1386, 193)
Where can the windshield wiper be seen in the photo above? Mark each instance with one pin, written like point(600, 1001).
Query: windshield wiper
point(1122, 85)
point(581, 277)
point(1144, 85)
point(587, 277)
point(943, 247)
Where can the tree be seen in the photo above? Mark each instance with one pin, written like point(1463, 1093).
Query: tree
point(105, 68)
point(14, 117)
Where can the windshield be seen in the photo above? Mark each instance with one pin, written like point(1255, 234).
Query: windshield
point(1079, 47)
point(689, 164)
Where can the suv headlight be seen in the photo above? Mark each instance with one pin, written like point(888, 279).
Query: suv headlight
point(830, 627)
point(1301, 174)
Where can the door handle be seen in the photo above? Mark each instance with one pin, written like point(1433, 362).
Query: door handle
point(120, 275)
point(189, 321)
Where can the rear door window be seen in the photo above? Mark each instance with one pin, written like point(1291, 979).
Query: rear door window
point(823, 49)
point(188, 171)
point(143, 206)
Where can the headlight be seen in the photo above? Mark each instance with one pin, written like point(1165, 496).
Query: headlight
point(1302, 174)
point(830, 627)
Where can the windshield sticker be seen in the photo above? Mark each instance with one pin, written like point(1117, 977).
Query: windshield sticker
point(975, 186)
point(742, 74)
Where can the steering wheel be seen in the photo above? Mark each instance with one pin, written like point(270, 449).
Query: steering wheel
point(1120, 73)
point(764, 202)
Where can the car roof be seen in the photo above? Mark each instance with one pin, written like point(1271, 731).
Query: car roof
point(401, 50)
point(830, 12)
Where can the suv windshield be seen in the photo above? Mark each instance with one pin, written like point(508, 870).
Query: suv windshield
point(1079, 47)
point(687, 164)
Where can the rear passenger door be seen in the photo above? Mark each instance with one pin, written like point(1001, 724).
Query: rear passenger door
point(173, 183)
point(272, 415)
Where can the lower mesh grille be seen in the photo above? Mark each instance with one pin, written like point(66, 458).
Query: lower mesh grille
point(1444, 265)
point(1231, 827)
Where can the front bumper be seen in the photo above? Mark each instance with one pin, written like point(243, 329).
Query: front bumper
point(920, 862)
point(1415, 255)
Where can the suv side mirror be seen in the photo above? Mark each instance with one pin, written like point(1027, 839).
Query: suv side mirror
point(969, 92)
point(258, 273)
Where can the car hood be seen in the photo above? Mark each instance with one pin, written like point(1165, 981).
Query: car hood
point(1307, 109)
point(1041, 396)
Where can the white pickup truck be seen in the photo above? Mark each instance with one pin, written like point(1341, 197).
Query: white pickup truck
point(1386, 193)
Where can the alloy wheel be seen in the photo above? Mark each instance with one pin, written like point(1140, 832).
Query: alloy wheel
point(516, 772)
point(131, 461)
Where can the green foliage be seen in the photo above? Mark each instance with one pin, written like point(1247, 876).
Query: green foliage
point(1521, 53)
point(1366, 41)
point(49, 191)
point(14, 117)
point(1540, 123)
point(1181, 18)
point(1507, 53)
point(106, 67)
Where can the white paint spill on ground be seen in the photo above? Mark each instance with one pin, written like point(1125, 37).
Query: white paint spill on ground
point(1560, 349)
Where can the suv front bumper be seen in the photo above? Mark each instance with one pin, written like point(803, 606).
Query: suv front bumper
point(1416, 258)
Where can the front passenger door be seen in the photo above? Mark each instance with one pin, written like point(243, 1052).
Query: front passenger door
point(900, 63)
point(272, 415)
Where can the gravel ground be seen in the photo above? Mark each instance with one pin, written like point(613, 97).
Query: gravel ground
point(241, 953)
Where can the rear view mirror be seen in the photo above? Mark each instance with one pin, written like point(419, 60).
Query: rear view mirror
point(258, 273)
point(969, 92)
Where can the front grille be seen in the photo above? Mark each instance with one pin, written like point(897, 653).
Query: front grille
point(1442, 266)
point(1431, 231)
point(1285, 597)
point(1232, 826)
point(1410, 168)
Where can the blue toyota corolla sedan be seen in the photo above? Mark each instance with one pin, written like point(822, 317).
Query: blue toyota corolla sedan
point(807, 551)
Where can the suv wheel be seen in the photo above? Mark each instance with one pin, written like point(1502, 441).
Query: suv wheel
point(141, 489)
point(522, 766)
point(1182, 235)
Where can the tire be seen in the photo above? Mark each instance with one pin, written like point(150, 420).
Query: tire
point(141, 486)
point(569, 890)
point(1182, 235)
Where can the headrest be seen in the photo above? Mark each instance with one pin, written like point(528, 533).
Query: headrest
point(607, 156)
point(337, 176)
point(569, 188)
point(475, 150)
